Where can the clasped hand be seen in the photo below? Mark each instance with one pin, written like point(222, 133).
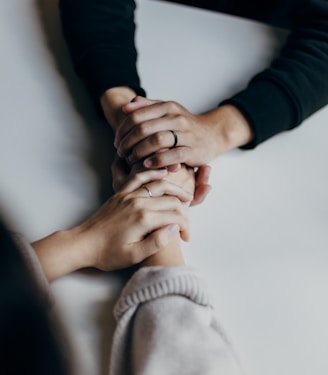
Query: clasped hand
point(147, 128)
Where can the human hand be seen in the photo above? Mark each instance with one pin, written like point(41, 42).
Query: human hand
point(202, 186)
point(121, 169)
point(122, 172)
point(131, 225)
point(148, 129)
point(124, 231)
point(112, 102)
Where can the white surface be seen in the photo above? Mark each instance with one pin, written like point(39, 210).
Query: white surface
point(260, 239)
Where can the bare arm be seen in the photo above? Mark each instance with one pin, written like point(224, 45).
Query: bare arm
point(124, 231)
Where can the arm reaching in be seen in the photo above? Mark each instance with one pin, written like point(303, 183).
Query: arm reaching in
point(200, 138)
point(124, 231)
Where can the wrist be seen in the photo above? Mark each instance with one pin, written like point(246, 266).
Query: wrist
point(112, 101)
point(230, 126)
point(169, 256)
point(59, 254)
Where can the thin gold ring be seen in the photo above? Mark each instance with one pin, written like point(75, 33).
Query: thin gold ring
point(148, 191)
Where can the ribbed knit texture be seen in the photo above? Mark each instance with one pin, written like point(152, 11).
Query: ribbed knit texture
point(155, 282)
point(166, 326)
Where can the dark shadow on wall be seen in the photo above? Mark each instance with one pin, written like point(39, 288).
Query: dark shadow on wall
point(102, 152)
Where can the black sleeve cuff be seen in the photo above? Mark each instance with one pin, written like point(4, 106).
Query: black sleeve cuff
point(102, 71)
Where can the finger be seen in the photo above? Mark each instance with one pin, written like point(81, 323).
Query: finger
point(147, 113)
point(164, 187)
point(172, 156)
point(120, 166)
point(136, 103)
point(174, 167)
point(202, 188)
point(153, 213)
point(140, 144)
point(140, 115)
point(120, 172)
point(156, 241)
point(201, 193)
point(143, 178)
point(160, 218)
point(203, 175)
point(152, 135)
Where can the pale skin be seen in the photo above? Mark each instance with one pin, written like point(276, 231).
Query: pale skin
point(113, 103)
point(130, 228)
point(143, 127)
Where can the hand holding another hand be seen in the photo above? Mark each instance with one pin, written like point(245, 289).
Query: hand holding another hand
point(148, 129)
point(197, 139)
point(131, 226)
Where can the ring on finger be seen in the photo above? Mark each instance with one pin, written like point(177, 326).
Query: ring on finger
point(148, 190)
point(175, 138)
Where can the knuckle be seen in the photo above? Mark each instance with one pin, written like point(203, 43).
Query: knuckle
point(136, 205)
point(159, 241)
point(173, 106)
point(142, 130)
point(157, 139)
point(182, 121)
point(137, 152)
point(144, 218)
point(135, 117)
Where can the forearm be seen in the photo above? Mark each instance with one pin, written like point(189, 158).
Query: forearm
point(295, 85)
point(167, 257)
point(60, 254)
point(229, 127)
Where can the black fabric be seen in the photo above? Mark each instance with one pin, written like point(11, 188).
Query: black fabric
point(100, 35)
point(28, 343)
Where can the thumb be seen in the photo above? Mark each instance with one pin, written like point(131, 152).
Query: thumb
point(136, 103)
point(159, 239)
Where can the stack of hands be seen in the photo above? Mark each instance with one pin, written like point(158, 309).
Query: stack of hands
point(142, 223)
point(160, 170)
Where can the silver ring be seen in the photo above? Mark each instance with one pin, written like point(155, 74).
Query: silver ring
point(175, 138)
point(148, 190)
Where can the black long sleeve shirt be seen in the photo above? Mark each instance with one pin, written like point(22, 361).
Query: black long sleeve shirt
point(101, 38)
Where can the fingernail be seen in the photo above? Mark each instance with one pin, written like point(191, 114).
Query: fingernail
point(148, 163)
point(173, 229)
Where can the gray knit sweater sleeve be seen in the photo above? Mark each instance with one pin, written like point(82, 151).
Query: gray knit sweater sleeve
point(166, 325)
point(34, 266)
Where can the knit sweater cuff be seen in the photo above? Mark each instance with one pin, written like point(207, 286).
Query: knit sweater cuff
point(154, 282)
point(267, 107)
